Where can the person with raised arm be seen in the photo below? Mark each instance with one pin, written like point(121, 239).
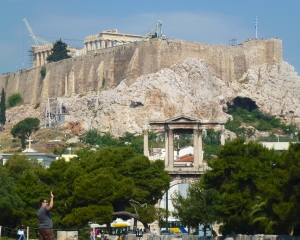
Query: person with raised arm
point(45, 219)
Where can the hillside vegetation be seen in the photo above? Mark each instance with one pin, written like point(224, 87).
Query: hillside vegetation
point(243, 118)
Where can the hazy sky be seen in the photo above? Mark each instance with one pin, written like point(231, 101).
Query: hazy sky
point(208, 21)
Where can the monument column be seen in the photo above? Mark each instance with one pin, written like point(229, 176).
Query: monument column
point(85, 47)
point(37, 60)
point(73, 81)
point(196, 150)
point(166, 148)
point(200, 152)
point(145, 131)
point(171, 148)
point(46, 56)
point(222, 135)
point(66, 84)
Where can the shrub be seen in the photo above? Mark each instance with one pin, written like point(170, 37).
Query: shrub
point(43, 71)
point(233, 125)
point(37, 106)
point(103, 81)
point(14, 99)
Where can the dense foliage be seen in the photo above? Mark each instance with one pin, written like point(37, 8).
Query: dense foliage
point(255, 188)
point(14, 99)
point(196, 208)
point(24, 128)
point(89, 187)
point(94, 138)
point(59, 52)
point(257, 119)
point(211, 141)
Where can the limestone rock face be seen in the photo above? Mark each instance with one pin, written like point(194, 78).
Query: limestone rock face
point(189, 88)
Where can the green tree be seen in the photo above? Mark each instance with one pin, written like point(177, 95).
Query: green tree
point(10, 202)
point(24, 128)
point(237, 176)
point(107, 180)
point(2, 108)
point(59, 52)
point(196, 208)
point(14, 99)
point(285, 201)
point(29, 186)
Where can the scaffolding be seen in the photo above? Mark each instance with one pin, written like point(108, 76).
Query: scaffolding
point(55, 112)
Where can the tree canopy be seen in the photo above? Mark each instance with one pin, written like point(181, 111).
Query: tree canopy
point(59, 52)
point(255, 188)
point(196, 208)
point(90, 187)
point(24, 128)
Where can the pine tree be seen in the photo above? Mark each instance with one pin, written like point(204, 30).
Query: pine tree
point(2, 108)
point(59, 52)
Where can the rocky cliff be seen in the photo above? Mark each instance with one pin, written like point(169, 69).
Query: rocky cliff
point(119, 88)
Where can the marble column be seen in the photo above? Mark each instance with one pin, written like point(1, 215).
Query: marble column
point(85, 47)
point(196, 152)
point(222, 135)
point(73, 81)
point(37, 59)
point(171, 148)
point(198, 157)
point(200, 152)
point(66, 84)
point(166, 148)
point(46, 56)
point(146, 149)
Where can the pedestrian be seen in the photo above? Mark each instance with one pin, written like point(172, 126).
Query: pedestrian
point(21, 232)
point(92, 234)
point(154, 232)
point(45, 219)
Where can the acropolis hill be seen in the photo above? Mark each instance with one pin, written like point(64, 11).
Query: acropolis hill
point(117, 88)
point(86, 73)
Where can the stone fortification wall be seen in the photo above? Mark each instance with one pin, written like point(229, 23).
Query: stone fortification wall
point(106, 68)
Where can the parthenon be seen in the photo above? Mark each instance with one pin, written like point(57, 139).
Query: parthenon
point(108, 39)
point(105, 39)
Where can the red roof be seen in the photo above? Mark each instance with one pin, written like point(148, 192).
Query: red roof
point(187, 158)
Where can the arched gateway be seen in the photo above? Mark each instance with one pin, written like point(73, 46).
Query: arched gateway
point(182, 124)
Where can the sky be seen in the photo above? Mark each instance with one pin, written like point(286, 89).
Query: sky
point(207, 21)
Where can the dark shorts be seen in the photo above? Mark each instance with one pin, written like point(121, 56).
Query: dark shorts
point(46, 234)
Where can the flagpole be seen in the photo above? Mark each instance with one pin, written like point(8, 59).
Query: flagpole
point(256, 28)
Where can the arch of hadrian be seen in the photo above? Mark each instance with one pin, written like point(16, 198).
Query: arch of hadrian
point(178, 125)
point(105, 39)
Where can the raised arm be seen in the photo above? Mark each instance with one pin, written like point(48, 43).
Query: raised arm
point(50, 206)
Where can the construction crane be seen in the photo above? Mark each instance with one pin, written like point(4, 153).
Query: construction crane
point(155, 32)
point(35, 38)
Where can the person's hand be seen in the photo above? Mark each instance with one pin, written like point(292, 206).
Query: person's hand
point(51, 194)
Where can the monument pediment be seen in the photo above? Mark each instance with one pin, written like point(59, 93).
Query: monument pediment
point(183, 118)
